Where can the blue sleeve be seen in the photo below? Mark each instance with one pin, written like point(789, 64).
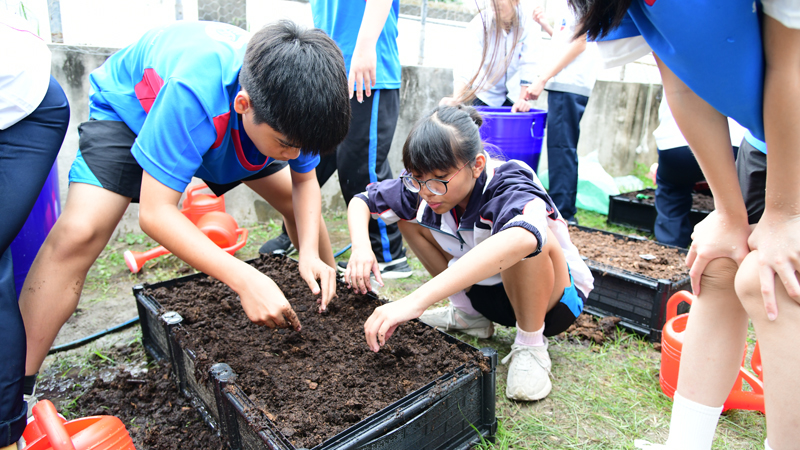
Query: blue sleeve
point(304, 163)
point(390, 201)
point(174, 137)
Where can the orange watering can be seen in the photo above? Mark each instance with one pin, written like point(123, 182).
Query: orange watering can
point(49, 431)
point(220, 227)
point(196, 205)
point(672, 344)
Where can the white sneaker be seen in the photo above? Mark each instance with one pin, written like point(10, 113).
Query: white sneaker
point(529, 373)
point(451, 318)
point(641, 443)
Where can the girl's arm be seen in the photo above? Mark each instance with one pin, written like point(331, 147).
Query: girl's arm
point(724, 233)
point(362, 259)
point(307, 202)
point(575, 48)
point(488, 258)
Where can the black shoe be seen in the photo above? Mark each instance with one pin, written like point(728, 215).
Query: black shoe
point(281, 245)
point(398, 268)
point(573, 221)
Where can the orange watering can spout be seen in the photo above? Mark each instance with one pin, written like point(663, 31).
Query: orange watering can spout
point(49, 431)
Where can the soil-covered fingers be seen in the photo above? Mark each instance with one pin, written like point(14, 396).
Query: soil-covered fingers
point(384, 320)
point(291, 319)
point(327, 282)
point(361, 264)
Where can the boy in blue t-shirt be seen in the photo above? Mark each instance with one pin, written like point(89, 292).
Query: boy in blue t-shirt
point(366, 33)
point(197, 99)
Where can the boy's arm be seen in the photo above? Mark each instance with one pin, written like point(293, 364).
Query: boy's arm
point(362, 259)
point(488, 258)
point(724, 233)
point(575, 48)
point(307, 202)
point(365, 58)
point(159, 217)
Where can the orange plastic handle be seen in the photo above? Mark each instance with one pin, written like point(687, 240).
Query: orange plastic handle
point(676, 299)
point(47, 418)
point(241, 241)
point(755, 362)
point(190, 193)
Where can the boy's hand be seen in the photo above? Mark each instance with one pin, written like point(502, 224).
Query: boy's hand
point(385, 319)
point(777, 240)
point(265, 304)
point(315, 269)
point(362, 263)
point(717, 236)
point(362, 72)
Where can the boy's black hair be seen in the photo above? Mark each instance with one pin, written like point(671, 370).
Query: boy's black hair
point(597, 17)
point(445, 138)
point(297, 85)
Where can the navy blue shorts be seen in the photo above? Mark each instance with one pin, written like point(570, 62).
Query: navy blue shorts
point(494, 304)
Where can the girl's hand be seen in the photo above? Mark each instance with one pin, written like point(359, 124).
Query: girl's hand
point(538, 15)
point(362, 263)
point(385, 319)
point(313, 269)
point(717, 236)
point(535, 89)
point(521, 106)
point(777, 239)
point(264, 304)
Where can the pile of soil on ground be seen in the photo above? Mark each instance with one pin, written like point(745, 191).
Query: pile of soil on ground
point(590, 328)
point(700, 201)
point(156, 415)
point(640, 256)
point(322, 380)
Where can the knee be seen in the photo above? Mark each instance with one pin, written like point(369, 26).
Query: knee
point(719, 275)
point(71, 237)
point(748, 287)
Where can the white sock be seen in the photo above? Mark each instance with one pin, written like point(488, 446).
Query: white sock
point(692, 425)
point(530, 338)
point(766, 445)
point(463, 303)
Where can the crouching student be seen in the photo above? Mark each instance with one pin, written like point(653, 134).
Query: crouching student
point(197, 99)
point(489, 235)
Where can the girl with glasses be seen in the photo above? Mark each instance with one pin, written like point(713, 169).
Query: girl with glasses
point(490, 236)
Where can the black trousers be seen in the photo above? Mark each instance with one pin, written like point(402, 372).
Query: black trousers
point(564, 113)
point(361, 159)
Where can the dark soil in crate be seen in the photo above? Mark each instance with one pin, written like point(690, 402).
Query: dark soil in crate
point(322, 380)
point(639, 256)
point(700, 201)
point(156, 415)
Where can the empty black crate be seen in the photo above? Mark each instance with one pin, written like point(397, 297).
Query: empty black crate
point(440, 415)
point(638, 300)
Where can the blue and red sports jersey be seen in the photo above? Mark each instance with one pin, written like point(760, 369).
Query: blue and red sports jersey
point(712, 46)
point(174, 88)
point(341, 19)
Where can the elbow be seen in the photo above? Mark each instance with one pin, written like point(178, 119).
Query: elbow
point(147, 220)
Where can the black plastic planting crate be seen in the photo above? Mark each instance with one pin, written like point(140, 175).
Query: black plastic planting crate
point(444, 414)
point(642, 215)
point(640, 301)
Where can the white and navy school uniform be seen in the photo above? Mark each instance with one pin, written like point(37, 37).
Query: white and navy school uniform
point(507, 194)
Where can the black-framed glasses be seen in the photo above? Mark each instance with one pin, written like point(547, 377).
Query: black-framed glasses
point(436, 187)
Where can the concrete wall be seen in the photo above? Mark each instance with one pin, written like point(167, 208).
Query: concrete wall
point(615, 122)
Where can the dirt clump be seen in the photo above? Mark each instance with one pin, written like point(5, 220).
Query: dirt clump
point(633, 255)
point(591, 329)
point(317, 382)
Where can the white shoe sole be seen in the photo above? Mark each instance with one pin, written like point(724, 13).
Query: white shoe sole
point(531, 398)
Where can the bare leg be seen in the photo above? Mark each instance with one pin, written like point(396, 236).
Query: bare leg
point(53, 287)
point(715, 337)
point(778, 343)
point(535, 285)
point(276, 189)
point(425, 247)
